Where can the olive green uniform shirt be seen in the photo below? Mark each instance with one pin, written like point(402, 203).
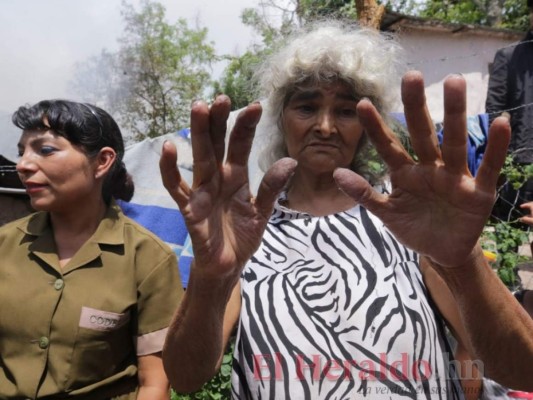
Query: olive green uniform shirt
point(76, 332)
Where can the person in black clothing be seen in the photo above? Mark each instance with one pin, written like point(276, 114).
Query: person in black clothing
point(511, 90)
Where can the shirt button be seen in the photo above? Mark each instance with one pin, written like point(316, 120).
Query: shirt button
point(58, 284)
point(44, 342)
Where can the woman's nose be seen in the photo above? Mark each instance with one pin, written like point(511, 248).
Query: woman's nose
point(326, 124)
point(24, 164)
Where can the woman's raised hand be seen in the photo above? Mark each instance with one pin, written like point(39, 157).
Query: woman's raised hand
point(223, 219)
point(436, 207)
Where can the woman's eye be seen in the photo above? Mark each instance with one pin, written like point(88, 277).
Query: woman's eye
point(305, 108)
point(348, 112)
point(46, 150)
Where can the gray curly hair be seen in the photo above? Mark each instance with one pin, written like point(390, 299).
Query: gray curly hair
point(330, 51)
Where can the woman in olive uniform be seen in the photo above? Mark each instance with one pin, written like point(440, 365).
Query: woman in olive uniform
point(86, 294)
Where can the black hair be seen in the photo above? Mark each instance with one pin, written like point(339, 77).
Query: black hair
point(86, 126)
point(529, 3)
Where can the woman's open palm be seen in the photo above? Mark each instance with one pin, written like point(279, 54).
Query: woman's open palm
point(436, 207)
point(224, 221)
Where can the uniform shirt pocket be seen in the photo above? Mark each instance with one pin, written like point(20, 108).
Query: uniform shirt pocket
point(104, 345)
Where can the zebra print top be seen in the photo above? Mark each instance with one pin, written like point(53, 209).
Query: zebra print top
point(335, 308)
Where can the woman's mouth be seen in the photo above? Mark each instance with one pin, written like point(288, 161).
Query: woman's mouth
point(32, 188)
point(323, 144)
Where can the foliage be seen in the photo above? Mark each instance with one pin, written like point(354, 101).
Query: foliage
point(309, 10)
point(219, 387)
point(505, 237)
point(516, 174)
point(271, 31)
point(511, 14)
point(515, 15)
point(238, 80)
point(159, 69)
point(458, 11)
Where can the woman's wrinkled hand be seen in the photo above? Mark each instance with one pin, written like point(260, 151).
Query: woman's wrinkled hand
point(224, 221)
point(436, 207)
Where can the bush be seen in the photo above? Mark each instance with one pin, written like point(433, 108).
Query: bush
point(504, 237)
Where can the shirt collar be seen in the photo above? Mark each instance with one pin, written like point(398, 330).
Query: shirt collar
point(109, 231)
point(111, 228)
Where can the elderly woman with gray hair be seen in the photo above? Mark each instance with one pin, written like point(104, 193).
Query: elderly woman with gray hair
point(325, 286)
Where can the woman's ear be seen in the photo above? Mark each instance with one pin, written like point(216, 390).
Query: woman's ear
point(104, 161)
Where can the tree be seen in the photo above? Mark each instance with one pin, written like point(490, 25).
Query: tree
point(510, 14)
point(237, 80)
point(98, 82)
point(311, 9)
point(159, 69)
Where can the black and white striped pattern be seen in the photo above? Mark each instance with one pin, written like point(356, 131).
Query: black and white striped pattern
point(335, 308)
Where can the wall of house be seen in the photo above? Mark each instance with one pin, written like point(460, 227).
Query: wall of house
point(438, 54)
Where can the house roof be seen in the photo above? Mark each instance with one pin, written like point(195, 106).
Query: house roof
point(394, 22)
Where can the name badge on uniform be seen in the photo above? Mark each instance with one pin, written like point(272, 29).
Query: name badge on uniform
point(102, 320)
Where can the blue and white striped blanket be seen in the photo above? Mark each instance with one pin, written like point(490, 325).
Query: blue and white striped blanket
point(152, 206)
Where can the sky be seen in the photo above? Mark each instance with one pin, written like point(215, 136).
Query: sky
point(42, 40)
